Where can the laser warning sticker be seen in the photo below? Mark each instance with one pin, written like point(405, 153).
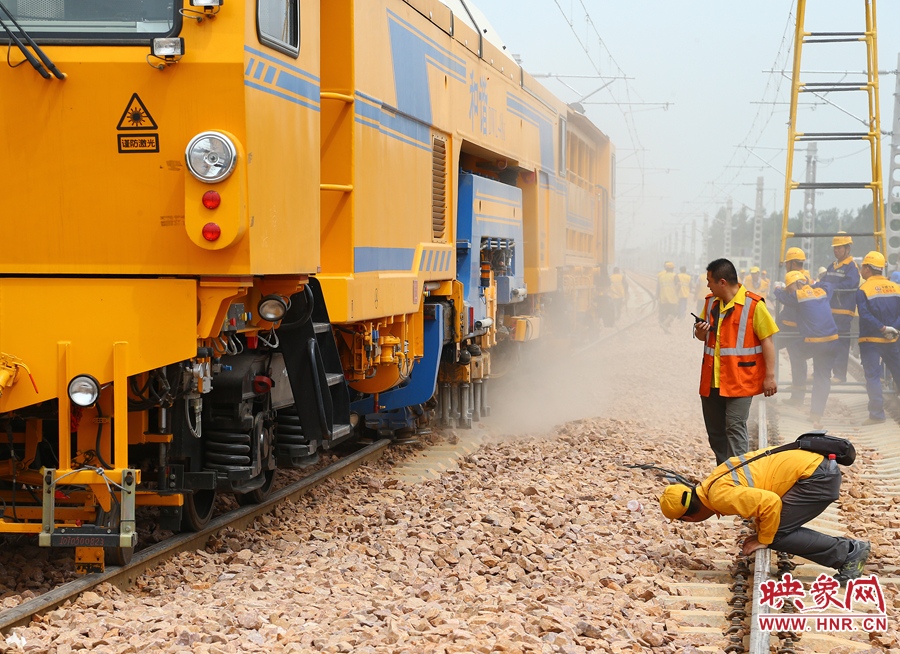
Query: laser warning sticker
point(137, 119)
point(136, 116)
point(132, 143)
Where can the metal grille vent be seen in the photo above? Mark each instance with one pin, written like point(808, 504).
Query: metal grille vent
point(439, 189)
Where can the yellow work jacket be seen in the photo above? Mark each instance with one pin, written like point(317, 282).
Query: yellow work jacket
point(755, 490)
point(667, 291)
point(684, 290)
point(617, 286)
point(761, 289)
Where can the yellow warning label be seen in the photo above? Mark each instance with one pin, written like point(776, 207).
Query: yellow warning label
point(129, 143)
point(136, 116)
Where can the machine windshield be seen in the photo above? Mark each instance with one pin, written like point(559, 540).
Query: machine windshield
point(96, 21)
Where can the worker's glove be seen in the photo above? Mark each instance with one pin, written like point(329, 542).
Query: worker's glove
point(891, 333)
point(779, 285)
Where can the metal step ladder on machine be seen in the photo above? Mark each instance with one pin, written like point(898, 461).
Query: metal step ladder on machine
point(872, 135)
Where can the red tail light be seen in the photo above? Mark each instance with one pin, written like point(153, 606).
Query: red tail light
point(211, 199)
point(211, 231)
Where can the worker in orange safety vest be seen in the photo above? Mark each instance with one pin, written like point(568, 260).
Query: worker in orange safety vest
point(738, 358)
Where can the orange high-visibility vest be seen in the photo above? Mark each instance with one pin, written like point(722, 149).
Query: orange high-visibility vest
point(742, 367)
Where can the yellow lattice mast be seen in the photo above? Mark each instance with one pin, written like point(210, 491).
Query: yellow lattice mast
point(872, 135)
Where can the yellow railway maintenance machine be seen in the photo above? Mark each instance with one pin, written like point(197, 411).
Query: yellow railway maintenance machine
point(233, 230)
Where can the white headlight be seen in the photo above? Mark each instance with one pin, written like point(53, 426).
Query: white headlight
point(210, 157)
point(167, 47)
point(272, 308)
point(206, 3)
point(84, 390)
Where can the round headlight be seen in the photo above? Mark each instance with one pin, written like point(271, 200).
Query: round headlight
point(84, 390)
point(210, 157)
point(272, 308)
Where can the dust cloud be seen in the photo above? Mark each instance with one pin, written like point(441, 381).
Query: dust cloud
point(641, 374)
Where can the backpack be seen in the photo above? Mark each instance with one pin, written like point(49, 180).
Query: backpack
point(812, 441)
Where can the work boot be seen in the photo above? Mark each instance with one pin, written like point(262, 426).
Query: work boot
point(838, 380)
point(816, 420)
point(794, 401)
point(873, 421)
point(853, 566)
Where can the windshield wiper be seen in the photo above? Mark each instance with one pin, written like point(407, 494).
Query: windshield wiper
point(30, 57)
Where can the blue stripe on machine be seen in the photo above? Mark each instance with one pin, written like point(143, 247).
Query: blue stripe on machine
point(443, 263)
point(283, 76)
point(371, 259)
point(446, 60)
point(284, 96)
point(430, 265)
point(274, 60)
point(405, 130)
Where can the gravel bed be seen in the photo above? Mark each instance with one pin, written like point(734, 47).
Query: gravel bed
point(530, 546)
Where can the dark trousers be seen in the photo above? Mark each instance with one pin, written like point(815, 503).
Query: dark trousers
point(841, 356)
point(726, 424)
point(797, 356)
point(872, 354)
point(823, 355)
point(804, 501)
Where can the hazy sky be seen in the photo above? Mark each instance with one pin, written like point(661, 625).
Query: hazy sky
point(707, 59)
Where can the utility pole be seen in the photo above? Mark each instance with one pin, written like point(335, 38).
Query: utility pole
point(693, 244)
point(683, 255)
point(809, 203)
point(705, 248)
point(727, 248)
point(757, 224)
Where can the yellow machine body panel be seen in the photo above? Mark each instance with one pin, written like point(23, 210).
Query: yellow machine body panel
point(155, 317)
point(96, 163)
point(418, 101)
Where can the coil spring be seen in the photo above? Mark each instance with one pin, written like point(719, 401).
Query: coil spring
point(226, 450)
point(289, 430)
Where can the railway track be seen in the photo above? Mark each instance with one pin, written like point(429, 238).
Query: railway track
point(125, 576)
point(727, 598)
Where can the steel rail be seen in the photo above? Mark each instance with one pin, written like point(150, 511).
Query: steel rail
point(126, 576)
point(759, 640)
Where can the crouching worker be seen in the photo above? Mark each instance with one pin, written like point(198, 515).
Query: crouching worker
point(783, 492)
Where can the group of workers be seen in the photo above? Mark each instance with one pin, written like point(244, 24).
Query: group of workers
point(822, 314)
point(785, 490)
point(672, 293)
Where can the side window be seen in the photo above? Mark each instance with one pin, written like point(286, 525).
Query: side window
point(562, 146)
point(278, 25)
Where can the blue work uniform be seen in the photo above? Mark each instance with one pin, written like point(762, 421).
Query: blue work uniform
point(820, 335)
point(787, 324)
point(844, 276)
point(878, 300)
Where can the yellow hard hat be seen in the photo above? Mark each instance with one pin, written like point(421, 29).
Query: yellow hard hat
point(841, 240)
point(754, 269)
point(669, 264)
point(875, 259)
point(675, 500)
point(822, 269)
point(794, 276)
point(794, 254)
point(764, 272)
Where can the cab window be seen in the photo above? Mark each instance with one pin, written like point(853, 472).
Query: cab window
point(278, 25)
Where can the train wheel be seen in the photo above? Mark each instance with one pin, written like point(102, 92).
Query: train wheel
point(113, 555)
point(197, 510)
point(261, 494)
